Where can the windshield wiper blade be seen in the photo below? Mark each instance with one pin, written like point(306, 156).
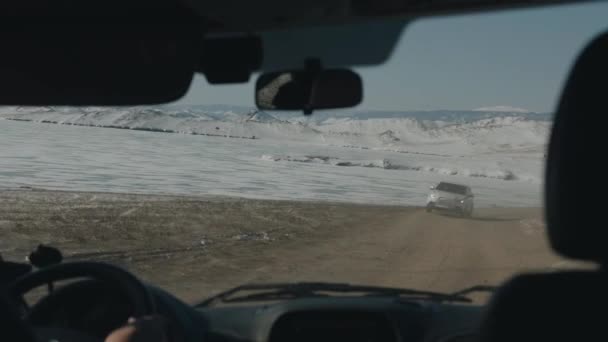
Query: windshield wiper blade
point(279, 291)
point(476, 288)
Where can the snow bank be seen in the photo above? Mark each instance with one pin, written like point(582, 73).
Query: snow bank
point(387, 164)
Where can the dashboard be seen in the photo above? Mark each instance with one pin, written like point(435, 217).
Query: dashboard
point(365, 319)
point(343, 318)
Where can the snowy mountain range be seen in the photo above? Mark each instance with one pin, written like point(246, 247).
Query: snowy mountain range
point(443, 131)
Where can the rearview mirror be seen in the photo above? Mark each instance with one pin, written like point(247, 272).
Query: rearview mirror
point(308, 90)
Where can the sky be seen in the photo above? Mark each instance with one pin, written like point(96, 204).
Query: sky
point(517, 58)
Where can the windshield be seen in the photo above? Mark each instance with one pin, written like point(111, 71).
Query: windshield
point(209, 193)
point(453, 188)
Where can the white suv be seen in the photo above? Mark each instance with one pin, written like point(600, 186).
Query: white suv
point(451, 197)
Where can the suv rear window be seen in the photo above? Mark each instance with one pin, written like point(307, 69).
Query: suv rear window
point(454, 188)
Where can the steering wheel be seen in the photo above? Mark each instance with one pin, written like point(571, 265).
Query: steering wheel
point(141, 300)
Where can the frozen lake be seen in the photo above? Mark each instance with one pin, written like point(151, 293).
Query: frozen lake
point(62, 157)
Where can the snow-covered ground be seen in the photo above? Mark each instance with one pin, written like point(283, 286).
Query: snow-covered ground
point(365, 157)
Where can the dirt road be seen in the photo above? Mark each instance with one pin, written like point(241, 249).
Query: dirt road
point(196, 247)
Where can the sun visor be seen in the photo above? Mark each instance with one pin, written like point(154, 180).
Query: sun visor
point(83, 57)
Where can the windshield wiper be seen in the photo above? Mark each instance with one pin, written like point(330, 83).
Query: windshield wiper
point(282, 291)
point(477, 288)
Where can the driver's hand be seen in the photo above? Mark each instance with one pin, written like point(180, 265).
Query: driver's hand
point(146, 329)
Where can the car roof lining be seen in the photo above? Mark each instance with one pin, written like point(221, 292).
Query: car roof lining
point(256, 16)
